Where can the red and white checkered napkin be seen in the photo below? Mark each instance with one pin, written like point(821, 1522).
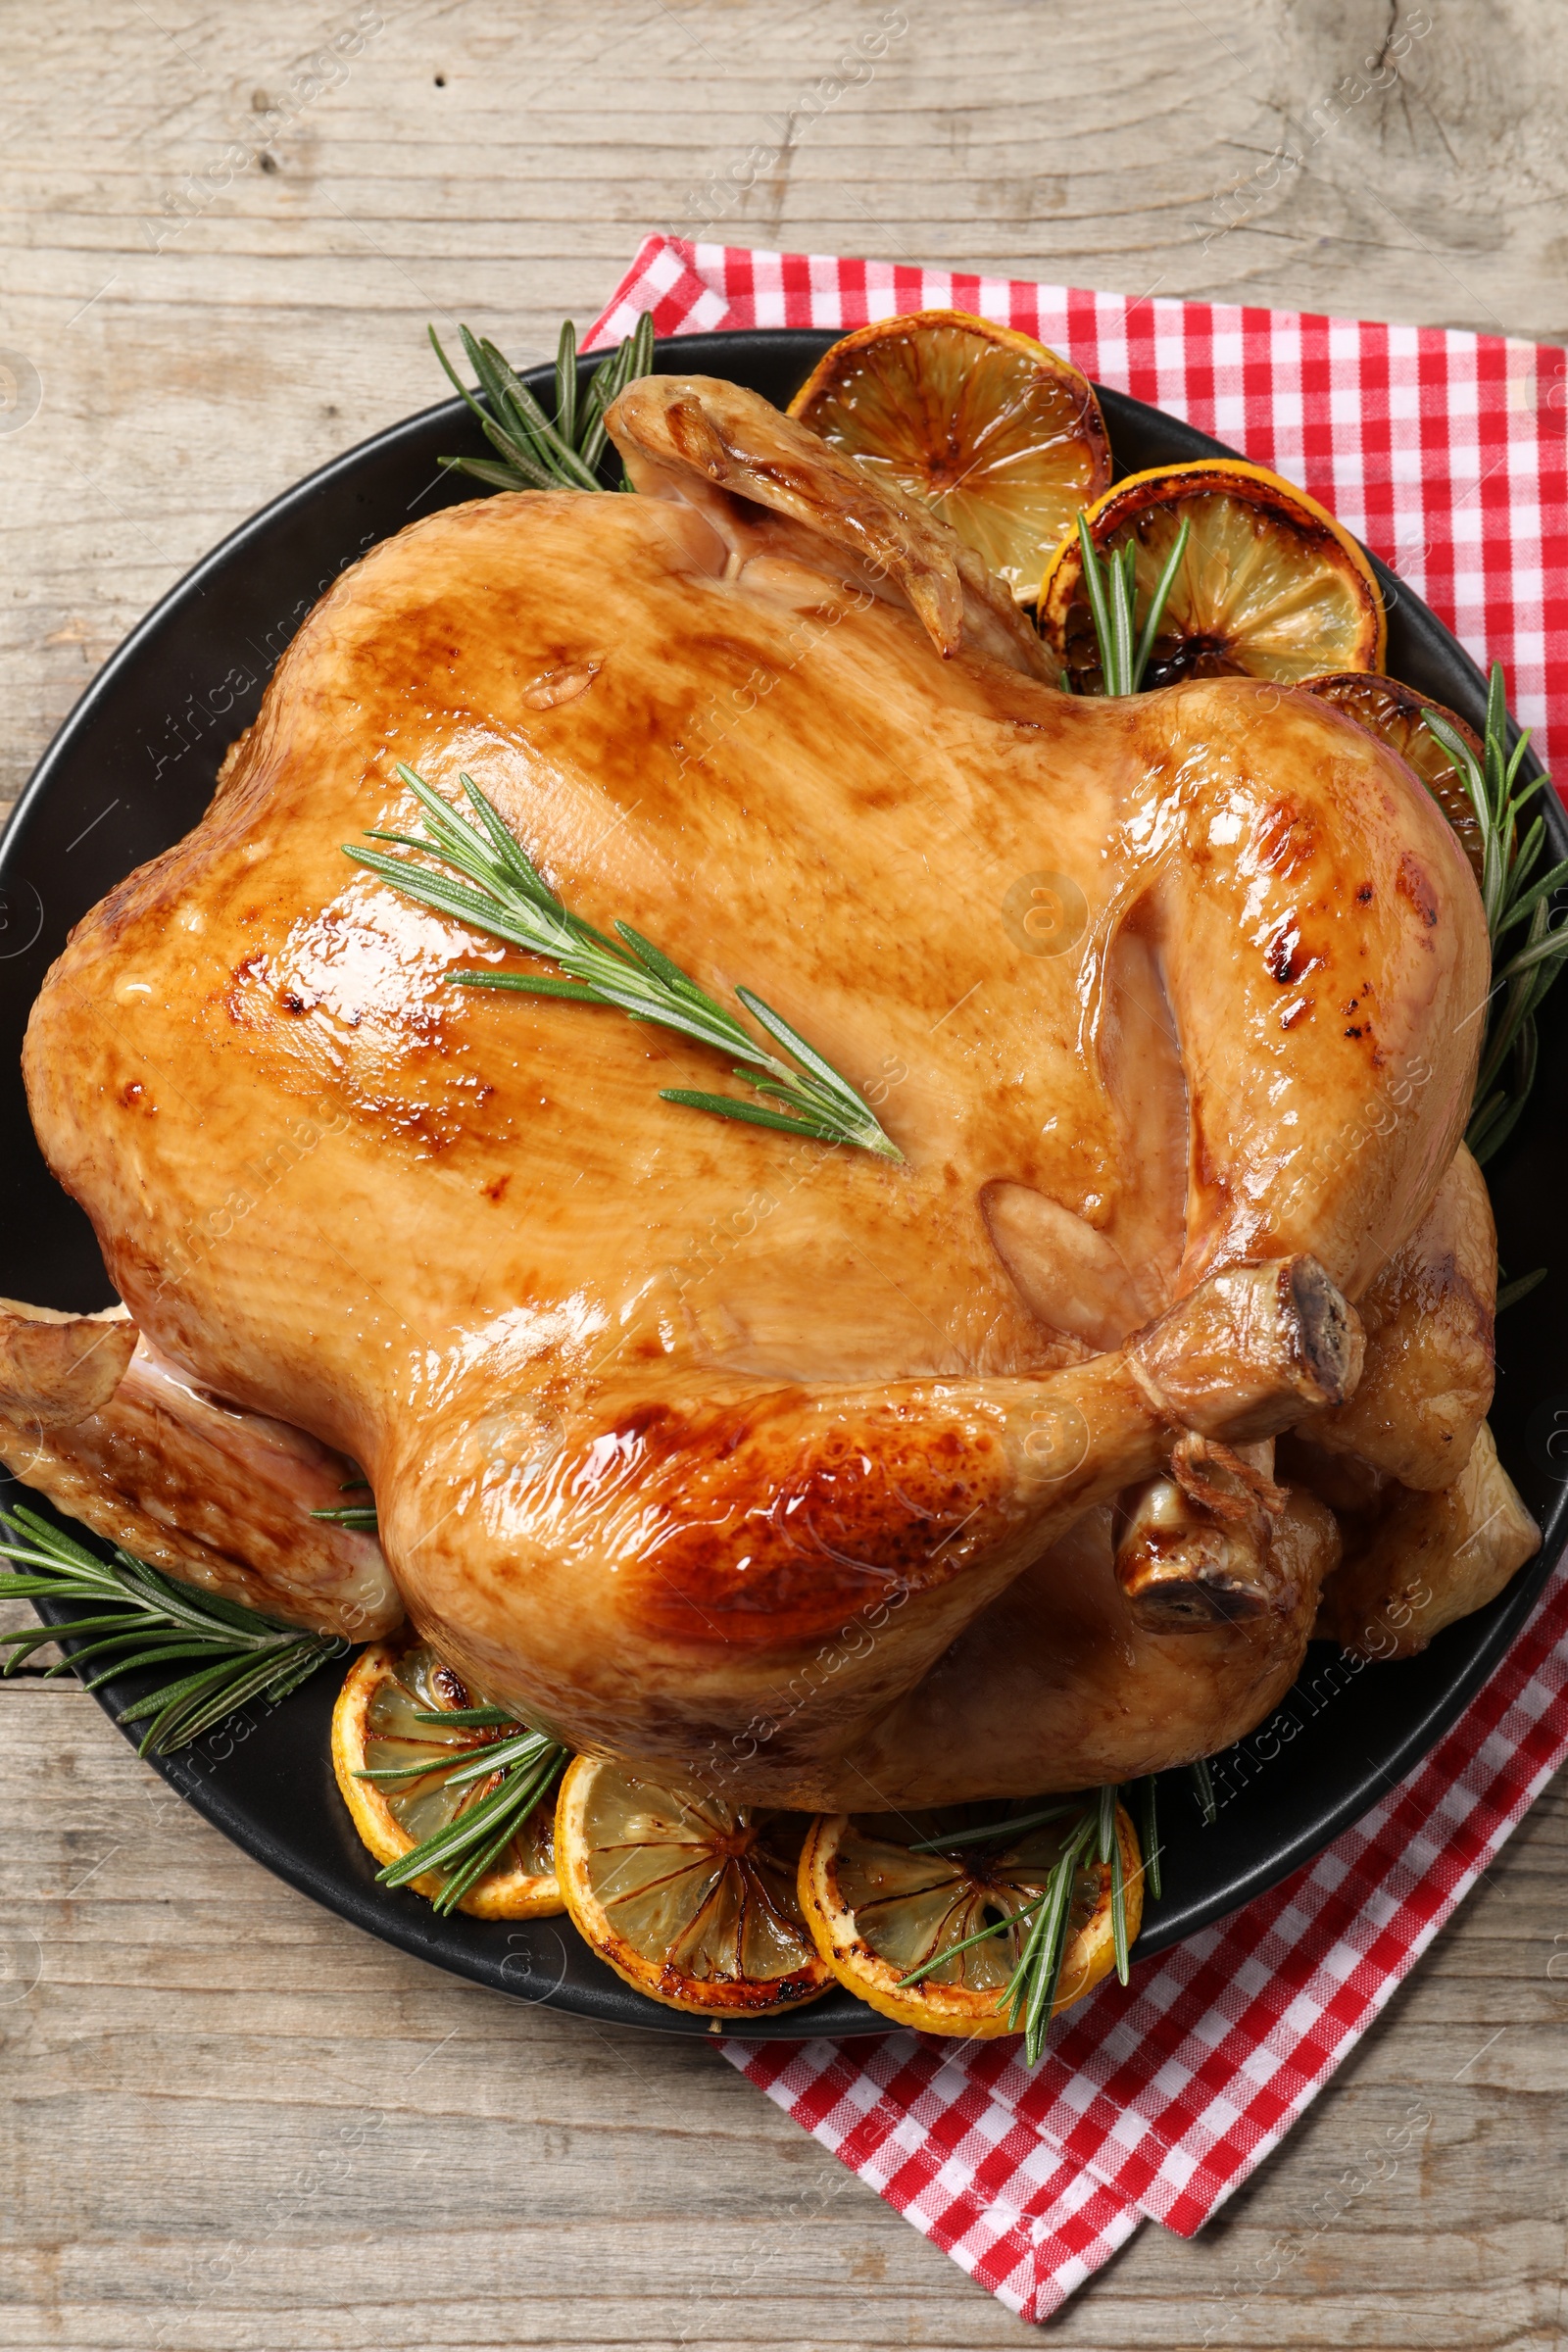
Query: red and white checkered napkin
point(1160, 2099)
point(1445, 453)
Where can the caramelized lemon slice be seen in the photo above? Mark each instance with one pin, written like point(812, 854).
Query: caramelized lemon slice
point(379, 1726)
point(1003, 439)
point(879, 1912)
point(1396, 715)
point(692, 1901)
point(1269, 585)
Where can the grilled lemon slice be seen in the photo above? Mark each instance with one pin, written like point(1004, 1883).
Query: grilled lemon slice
point(692, 1901)
point(1001, 437)
point(1395, 715)
point(879, 1911)
point(379, 1726)
point(1269, 585)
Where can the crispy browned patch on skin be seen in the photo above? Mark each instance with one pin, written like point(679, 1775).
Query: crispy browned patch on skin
point(1414, 886)
point(1288, 958)
point(769, 1554)
point(1286, 838)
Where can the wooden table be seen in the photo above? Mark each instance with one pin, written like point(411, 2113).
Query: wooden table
point(230, 2120)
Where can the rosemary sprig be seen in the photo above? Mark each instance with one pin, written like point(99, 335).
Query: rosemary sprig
point(1110, 584)
point(1031, 1992)
point(138, 1618)
point(1512, 892)
point(1108, 1848)
point(495, 887)
point(477, 1718)
point(487, 1817)
point(540, 451)
point(476, 1763)
point(360, 1515)
point(1092, 1844)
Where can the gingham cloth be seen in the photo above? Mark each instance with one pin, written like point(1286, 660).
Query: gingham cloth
point(1445, 453)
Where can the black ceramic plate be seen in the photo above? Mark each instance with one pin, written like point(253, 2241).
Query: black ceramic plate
point(133, 770)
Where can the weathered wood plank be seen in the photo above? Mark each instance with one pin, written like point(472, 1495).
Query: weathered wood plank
point(251, 2124)
point(222, 281)
point(199, 2038)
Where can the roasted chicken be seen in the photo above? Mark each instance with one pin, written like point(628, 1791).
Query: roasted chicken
point(698, 1443)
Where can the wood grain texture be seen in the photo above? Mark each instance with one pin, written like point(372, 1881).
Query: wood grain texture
point(232, 2121)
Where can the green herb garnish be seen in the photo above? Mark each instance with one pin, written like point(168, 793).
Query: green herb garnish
point(138, 1618)
point(1203, 1789)
point(1110, 584)
point(1031, 1992)
point(1512, 892)
point(1089, 1847)
point(487, 1818)
point(539, 452)
point(501, 893)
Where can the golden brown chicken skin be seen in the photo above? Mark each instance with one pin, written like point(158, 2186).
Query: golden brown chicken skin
point(653, 1404)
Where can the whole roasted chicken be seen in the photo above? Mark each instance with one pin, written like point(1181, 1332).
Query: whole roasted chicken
point(1028, 1461)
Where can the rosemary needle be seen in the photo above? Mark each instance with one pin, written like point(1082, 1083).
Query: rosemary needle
point(1030, 1996)
point(1149, 1832)
point(1107, 1849)
point(956, 1840)
point(1203, 1791)
point(950, 1951)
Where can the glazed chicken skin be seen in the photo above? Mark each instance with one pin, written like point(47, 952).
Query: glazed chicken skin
point(694, 1442)
point(219, 1497)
